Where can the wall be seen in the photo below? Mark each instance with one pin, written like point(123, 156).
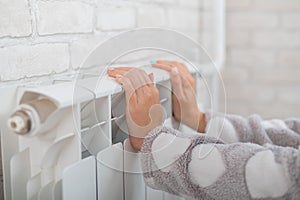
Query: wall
point(262, 73)
point(42, 37)
point(49, 37)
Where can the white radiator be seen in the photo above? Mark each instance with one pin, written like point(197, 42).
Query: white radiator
point(76, 149)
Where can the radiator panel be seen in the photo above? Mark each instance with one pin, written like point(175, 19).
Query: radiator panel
point(86, 154)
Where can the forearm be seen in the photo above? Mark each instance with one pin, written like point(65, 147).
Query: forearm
point(203, 168)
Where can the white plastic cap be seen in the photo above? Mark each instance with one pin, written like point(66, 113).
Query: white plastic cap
point(17, 124)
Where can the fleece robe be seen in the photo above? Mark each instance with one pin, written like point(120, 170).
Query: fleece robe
point(237, 158)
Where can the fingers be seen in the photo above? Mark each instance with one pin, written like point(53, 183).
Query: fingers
point(177, 84)
point(118, 71)
point(130, 94)
point(166, 67)
point(183, 70)
point(185, 83)
point(169, 65)
point(127, 70)
point(187, 89)
point(114, 72)
point(138, 78)
point(144, 78)
point(140, 82)
point(151, 76)
point(181, 67)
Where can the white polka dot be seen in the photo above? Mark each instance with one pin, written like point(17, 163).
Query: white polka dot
point(207, 165)
point(221, 128)
point(167, 148)
point(265, 178)
point(275, 123)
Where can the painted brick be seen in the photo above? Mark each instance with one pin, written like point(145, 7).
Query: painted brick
point(289, 95)
point(64, 17)
point(276, 5)
point(276, 39)
point(252, 58)
point(191, 3)
point(242, 20)
point(250, 93)
point(291, 20)
point(263, 54)
point(240, 74)
point(236, 107)
point(151, 16)
point(289, 59)
point(206, 4)
point(115, 18)
point(81, 48)
point(206, 40)
point(166, 1)
point(32, 60)
point(206, 21)
point(276, 75)
point(15, 19)
point(238, 38)
point(183, 19)
point(277, 110)
point(237, 4)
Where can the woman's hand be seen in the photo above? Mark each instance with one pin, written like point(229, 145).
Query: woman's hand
point(143, 110)
point(184, 99)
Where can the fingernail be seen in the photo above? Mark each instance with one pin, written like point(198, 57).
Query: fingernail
point(175, 71)
point(153, 61)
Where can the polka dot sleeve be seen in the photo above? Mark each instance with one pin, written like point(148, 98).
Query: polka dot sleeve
point(203, 167)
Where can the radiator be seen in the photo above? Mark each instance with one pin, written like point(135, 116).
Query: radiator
point(76, 148)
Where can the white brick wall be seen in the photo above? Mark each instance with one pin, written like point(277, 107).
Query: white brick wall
point(276, 5)
point(242, 20)
point(252, 58)
point(82, 47)
point(115, 17)
point(32, 60)
point(262, 73)
point(291, 20)
point(278, 39)
point(289, 59)
point(237, 4)
point(183, 19)
point(15, 19)
point(64, 17)
point(39, 37)
point(151, 16)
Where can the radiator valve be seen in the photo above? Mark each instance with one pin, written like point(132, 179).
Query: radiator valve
point(33, 117)
point(20, 122)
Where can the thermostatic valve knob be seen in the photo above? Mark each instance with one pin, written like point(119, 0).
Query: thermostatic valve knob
point(19, 122)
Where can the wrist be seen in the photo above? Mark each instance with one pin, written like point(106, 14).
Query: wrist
point(136, 143)
point(202, 123)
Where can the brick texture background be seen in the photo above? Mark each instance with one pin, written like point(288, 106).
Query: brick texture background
point(39, 37)
point(262, 72)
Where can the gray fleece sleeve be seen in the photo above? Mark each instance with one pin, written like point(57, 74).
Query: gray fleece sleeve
point(203, 167)
point(234, 128)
